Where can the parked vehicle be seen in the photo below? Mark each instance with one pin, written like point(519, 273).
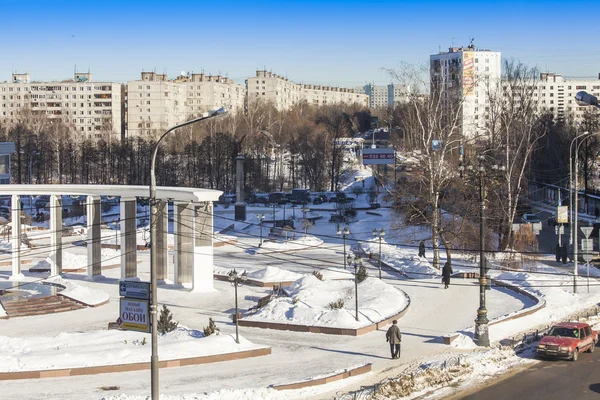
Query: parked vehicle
point(276, 197)
point(566, 340)
point(300, 196)
point(530, 218)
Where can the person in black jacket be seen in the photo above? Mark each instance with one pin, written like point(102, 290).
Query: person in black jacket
point(446, 272)
point(394, 337)
point(422, 249)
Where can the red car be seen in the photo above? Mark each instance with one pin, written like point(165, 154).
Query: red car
point(567, 340)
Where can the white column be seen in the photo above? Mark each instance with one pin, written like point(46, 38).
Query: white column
point(203, 248)
point(184, 245)
point(55, 235)
point(128, 236)
point(16, 238)
point(162, 235)
point(94, 237)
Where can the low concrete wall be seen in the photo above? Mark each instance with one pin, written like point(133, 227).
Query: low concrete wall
point(327, 379)
point(540, 303)
point(103, 369)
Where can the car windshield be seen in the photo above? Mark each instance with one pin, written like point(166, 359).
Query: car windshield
point(564, 332)
point(531, 218)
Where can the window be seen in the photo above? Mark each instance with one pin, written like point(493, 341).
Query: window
point(148, 87)
point(476, 60)
point(580, 87)
point(148, 102)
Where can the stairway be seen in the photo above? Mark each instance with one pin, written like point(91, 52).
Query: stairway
point(39, 306)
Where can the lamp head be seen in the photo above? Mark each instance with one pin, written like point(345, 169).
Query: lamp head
point(583, 98)
point(382, 232)
point(233, 275)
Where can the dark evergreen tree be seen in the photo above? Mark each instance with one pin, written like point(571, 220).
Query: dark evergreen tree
point(165, 321)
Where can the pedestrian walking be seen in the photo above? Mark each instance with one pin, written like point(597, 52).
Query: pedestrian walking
point(422, 249)
point(565, 253)
point(558, 252)
point(394, 337)
point(446, 272)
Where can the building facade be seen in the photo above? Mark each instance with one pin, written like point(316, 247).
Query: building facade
point(556, 95)
point(93, 110)
point(467, 74)
point(382, 96)
point(155, 103)
point(283, 93)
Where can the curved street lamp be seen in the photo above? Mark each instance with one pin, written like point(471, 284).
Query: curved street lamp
point(237, 280)
point(379, 235)
point(154, 252)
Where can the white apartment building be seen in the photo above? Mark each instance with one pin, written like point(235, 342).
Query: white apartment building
point(284, 93)
point(155, 103)
point(468, 73)
point(556, 95)
point(384, 96)
point(92, 109)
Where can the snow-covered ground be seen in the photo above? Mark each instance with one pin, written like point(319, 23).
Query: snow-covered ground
point(109, 347)
point(310, 303)
point(433, 312)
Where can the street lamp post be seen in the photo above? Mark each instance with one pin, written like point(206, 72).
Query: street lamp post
point(237, 280)
point(154, 253)
point(481, 335)
point(380, 235)
point(260, 218)
point(344, 234)
point(357, 263)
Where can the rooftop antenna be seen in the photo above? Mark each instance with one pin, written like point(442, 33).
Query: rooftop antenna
point(473, 42)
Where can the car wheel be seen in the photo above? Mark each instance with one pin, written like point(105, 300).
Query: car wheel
point(592, 347)
point(575, 355)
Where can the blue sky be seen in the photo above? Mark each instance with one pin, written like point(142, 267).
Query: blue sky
point(325, 42)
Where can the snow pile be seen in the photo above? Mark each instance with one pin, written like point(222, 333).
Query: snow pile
point(304, 243)
point(273, 274)
point(108, 347)
point(402, 260)
point(83, 294)
point(461, 371)
point(310, 303)
point(224, 394)
point(463, 342)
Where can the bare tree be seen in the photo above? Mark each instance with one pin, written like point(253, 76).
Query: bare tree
point(513, 128)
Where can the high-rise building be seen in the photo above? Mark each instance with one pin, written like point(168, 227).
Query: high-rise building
point(381, 96)
point(93, 110)
point(467, 74)
point(155, 103)
point(284, 93)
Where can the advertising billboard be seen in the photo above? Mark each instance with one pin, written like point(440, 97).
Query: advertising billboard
point(468, 73)
point(379, 155)
point(562, 214)
point(134, 315)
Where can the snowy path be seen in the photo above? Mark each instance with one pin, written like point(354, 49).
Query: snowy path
point(434, 312)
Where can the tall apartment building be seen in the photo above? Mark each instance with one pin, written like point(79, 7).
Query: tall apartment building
point(284, 93)
point(556, 95)
point(384, 96)
point(92, 109)
point(468, 73)
point(155, 103)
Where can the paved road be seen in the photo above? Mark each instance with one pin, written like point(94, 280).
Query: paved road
point(560, 380)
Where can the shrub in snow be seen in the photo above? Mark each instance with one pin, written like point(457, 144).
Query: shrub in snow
point(318, 275)
point(361, 275)
point(336, 305)
point(211, 328)
point(165, 321)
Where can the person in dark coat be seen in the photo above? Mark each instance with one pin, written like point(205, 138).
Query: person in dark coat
point(558, 252)
point(394, 337)
point(446, 272)
point(565, 253)
point(422, 249)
